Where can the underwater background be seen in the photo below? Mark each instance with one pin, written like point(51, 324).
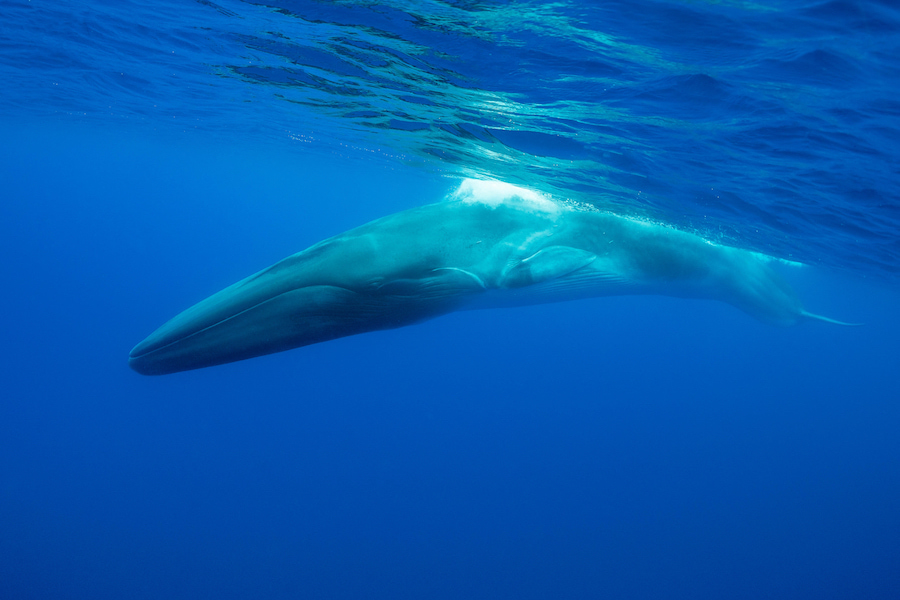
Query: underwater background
point(152, 153)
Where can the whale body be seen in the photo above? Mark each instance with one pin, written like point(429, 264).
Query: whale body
point(488, 245)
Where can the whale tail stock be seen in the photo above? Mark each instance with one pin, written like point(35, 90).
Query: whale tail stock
point(810, 315)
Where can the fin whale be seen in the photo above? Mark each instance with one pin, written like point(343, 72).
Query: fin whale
point(488, 245)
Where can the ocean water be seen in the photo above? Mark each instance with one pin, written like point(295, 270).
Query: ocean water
point(153, 153)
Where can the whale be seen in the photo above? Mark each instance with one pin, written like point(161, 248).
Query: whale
point(487, 245)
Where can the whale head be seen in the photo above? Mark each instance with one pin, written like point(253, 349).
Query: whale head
point(252, 319)
point(334, 289)
point(288, 305)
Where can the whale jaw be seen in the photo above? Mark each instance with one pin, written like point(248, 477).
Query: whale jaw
point(288, 320)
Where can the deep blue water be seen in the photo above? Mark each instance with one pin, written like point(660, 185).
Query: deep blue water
point(632, 447)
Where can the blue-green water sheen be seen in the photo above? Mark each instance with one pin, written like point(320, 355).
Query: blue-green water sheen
point(152, 153)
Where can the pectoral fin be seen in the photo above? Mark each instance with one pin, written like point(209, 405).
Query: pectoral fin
point(549, 263)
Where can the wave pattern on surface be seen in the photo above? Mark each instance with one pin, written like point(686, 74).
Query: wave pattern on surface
point(769, 125)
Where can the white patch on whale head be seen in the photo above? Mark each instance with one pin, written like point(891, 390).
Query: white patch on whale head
point(497, 193)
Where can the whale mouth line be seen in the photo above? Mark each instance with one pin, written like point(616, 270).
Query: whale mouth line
point(133, 356)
